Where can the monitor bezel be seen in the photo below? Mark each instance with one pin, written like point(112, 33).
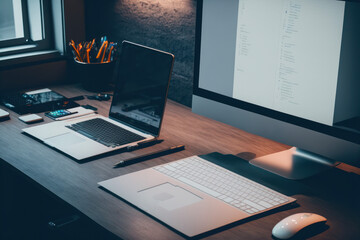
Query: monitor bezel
point(305, 123)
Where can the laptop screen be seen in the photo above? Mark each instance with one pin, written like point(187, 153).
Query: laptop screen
point(143, 76)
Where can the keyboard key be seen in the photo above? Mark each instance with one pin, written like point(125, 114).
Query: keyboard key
point(221, 197)
point(254, 205)
point(105, 132)
point(265, 204)
point(228, 199)
point(224, 185)
point(170, 168)
point(200, 187)
point(174, 164)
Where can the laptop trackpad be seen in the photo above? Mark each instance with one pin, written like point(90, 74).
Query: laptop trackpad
point(169, 196)
point(64, 140)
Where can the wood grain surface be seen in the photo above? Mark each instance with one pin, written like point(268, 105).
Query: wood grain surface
point(334, 194)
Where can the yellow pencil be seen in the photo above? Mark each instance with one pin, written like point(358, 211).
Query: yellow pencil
point(76, 52)
point(104, 51)
point(109, 57)
point(100, 50)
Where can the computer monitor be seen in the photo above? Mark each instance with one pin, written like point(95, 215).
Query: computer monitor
point(287, 70)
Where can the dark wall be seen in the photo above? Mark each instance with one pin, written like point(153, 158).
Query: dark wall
point(168, 25)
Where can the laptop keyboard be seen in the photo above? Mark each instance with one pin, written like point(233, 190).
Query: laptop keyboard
point(229, 187)
point(105, 132)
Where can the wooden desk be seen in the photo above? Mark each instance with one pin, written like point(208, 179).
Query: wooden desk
point(76, 183)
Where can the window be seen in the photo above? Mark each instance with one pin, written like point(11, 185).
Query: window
point(25, 25)
point(11, 21)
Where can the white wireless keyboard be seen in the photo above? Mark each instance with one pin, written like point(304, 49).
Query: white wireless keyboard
point(229, 187)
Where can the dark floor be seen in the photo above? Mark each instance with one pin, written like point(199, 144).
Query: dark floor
point(26, 210)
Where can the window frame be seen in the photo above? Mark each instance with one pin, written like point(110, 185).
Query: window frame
point(26, 44)
point(22, 40)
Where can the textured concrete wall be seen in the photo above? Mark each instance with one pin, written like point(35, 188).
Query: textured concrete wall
point(168, 25)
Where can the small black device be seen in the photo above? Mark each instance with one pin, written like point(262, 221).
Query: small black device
point(77, 98)
point(100, 97)
point(87, 106)
point(36, 101)
point(58, 113)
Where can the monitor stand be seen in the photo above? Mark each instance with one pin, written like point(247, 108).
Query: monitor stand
point(294, 163)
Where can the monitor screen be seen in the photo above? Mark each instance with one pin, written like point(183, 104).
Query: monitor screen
point(293, 61)
point(142, 82)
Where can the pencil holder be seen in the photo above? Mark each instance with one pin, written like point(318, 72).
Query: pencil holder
point(95, 77)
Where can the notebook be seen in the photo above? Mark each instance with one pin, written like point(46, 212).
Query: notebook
point(135, 115)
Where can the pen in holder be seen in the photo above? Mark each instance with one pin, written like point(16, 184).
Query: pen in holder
point(94, 63)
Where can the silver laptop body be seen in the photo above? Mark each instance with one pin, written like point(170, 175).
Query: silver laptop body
point(189, 202)
point(138, 104)
point(74, 144)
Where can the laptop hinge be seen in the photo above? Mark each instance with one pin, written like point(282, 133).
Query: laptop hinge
point(131, 126)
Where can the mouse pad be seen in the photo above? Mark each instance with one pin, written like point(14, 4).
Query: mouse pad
point(169, 196)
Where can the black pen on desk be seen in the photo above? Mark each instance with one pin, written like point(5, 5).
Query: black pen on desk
point(144, 144)
point(148, 156)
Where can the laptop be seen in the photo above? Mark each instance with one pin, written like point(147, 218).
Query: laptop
point(195, 196)
point(135, 115)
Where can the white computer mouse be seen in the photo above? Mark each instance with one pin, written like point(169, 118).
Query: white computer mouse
point(291, 225)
